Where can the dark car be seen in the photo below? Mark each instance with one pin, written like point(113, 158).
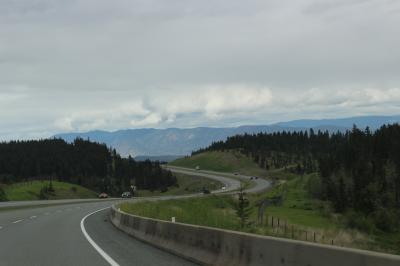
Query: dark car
point(206, 191)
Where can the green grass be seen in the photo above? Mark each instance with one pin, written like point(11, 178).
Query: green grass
point(214, 211)
point(298, 211)
point(298, 206)
point(228, 161)
point(31, 191)
point(187, 184)
point(281, 174)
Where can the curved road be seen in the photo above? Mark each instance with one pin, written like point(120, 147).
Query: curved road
point(46, 234)
point(231, 181)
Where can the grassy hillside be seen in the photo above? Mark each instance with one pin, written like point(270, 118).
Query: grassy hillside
point(212, 211)
point(186, 184)
point(31, 191)
point(229, 161)
point(300, 217)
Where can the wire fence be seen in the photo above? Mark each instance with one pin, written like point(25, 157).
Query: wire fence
point(281, 228)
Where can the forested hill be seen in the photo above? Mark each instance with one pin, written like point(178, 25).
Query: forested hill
point(182, 141)
point(81, 162)
point(359, 170)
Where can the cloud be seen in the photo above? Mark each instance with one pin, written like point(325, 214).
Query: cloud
point(217, 105)
point(103, 116)
point(96, 64)
point(150, 120)
point(12, 94)
point(64, 124)
point(211, 100)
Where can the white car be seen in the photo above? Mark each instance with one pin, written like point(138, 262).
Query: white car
point(126, 195)
point(223, 188)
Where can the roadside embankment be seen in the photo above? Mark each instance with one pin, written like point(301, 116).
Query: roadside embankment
point(210, 246)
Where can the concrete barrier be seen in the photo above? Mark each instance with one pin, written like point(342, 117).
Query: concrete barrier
point(210, 246)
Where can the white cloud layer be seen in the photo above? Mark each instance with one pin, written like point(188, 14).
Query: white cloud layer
point(97, 64)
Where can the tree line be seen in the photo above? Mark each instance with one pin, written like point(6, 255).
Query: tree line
point(81, 162)
point(359, 170)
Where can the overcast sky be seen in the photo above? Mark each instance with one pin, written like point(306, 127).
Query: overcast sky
point(80, 65)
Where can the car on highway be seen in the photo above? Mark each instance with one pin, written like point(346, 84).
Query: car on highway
point(206, 190)
point(126, 195)
point(223, 188)
point(103, 195)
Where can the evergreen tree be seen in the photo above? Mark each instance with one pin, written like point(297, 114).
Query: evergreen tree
point(81, 162)
point(358, 169)
point(242, 208)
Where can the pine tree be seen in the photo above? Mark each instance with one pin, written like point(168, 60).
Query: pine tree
point(243, 208)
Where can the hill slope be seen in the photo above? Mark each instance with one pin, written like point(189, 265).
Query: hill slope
point(62, 190)
point(228, 161)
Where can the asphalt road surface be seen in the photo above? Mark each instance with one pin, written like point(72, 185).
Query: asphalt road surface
point(38, 203)
point(231, 181)
point(50, 233)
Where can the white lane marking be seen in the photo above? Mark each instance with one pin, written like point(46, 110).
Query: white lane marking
point(47, 213)
point(96, 247)
point(17, 221)
point(33, 217)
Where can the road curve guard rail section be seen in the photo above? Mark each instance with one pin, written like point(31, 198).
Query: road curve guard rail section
point(211, 246)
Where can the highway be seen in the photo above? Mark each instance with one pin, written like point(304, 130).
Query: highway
point(42, 203)
point(231, 181)
point(67, 233)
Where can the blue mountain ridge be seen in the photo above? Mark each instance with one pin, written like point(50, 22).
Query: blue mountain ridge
point(182, 141)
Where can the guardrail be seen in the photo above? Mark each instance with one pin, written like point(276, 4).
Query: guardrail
point(211, 246)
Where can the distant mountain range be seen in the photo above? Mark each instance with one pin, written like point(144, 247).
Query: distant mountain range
point(161, 158)
point(374, 122)
point(172, 142)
